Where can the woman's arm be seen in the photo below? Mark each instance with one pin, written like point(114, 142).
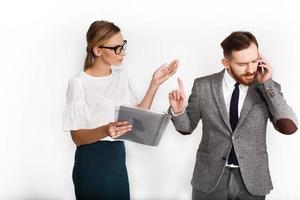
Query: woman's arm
point(88, 136)
point(159, 76)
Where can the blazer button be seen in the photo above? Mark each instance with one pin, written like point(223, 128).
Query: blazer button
point(234, 137)
point(224, 158)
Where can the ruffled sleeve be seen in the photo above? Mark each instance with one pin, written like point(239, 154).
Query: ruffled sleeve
point(76, 113)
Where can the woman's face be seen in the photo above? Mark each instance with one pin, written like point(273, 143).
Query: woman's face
point(113, 51)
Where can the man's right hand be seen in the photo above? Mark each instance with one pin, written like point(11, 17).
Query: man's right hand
point(177, 98)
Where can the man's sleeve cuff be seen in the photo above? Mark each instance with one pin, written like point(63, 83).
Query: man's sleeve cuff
point(176, 114)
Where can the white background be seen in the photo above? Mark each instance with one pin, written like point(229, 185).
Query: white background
point(42, 45)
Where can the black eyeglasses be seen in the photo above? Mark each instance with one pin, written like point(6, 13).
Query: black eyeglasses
point(117, 49)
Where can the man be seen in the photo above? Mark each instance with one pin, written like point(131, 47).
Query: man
point(234, 105)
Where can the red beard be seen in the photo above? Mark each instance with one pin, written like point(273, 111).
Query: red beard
point(245, 79)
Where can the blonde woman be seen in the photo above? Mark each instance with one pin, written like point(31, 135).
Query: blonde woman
point(100, 168)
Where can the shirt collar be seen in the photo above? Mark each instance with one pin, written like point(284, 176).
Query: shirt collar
point(229, 81)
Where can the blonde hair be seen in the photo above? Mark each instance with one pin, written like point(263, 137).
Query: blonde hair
point(98, 34)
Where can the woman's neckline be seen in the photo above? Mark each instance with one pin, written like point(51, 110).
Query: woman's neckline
point(97, 77)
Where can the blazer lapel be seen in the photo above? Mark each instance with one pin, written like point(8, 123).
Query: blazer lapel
point(217, 86)
point(249, 101)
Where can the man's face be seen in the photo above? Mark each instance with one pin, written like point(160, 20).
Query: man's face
point(242, 65)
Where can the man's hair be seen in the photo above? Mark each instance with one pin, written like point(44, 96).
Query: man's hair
point(237, 41)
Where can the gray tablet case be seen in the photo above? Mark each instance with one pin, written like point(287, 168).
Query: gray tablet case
point(147, 126)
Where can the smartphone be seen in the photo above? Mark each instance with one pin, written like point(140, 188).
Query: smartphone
point(260, 69)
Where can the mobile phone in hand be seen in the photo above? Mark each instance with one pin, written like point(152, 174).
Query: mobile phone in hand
point(260, 68)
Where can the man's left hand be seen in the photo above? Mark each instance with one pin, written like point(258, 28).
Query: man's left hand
point(264, 71)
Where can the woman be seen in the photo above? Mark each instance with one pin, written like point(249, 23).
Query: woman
point(100, 169)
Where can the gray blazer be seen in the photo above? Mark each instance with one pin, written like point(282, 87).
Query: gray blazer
point(262, 102)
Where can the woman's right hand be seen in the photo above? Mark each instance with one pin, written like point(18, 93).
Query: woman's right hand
point(177, 98)
point(116, 129)
point(164, 72)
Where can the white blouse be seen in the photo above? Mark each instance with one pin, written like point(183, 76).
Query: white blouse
point(92, 101)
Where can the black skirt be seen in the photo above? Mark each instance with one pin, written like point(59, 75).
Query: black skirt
point(100, 171)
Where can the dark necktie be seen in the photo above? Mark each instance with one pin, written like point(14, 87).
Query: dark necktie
point(234, 117)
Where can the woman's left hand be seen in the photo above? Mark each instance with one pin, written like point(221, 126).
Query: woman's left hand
point(164, 72)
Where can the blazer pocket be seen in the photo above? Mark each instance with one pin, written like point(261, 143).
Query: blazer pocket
point(259, 109)
point(260, 105)
point(203, 151)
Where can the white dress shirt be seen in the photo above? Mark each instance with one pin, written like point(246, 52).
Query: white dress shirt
point(228, 87)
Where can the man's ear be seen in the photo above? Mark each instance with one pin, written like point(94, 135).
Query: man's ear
point(225, 62)
point(97, 51)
